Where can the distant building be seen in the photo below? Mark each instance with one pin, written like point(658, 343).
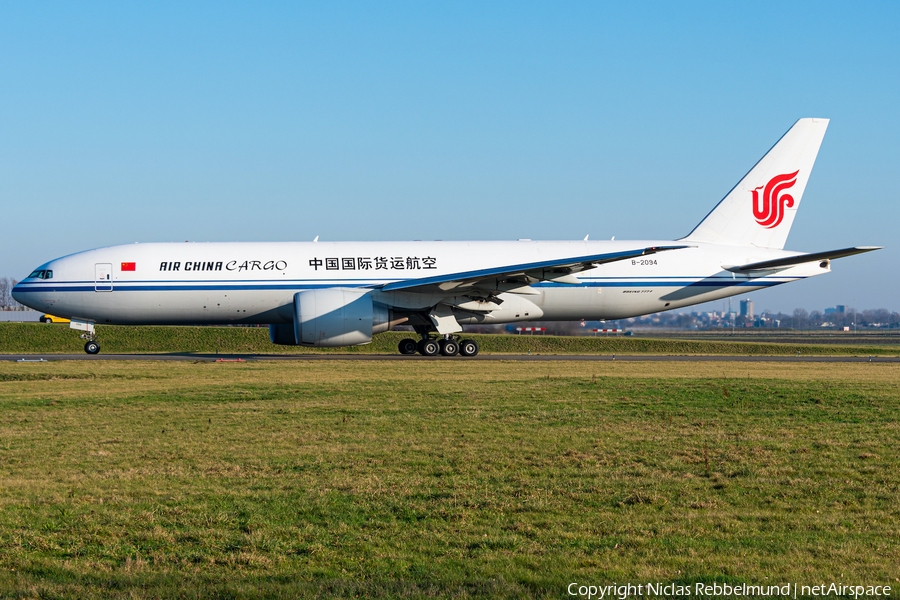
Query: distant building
point(747, 308)
point(839, 309)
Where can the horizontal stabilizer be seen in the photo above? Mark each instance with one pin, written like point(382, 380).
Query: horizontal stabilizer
point(789, 261)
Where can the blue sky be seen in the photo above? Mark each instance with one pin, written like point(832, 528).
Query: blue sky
point(124, 122)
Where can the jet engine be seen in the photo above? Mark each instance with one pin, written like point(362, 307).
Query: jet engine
point(333, 317)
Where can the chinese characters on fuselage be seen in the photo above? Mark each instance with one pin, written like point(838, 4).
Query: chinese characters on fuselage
point(367, 263)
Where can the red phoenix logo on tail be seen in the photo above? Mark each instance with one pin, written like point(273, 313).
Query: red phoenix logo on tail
point(770, 212)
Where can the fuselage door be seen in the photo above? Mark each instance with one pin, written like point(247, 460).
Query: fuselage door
point(103, 277)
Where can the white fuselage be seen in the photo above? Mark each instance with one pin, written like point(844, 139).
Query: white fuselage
point(249, 283)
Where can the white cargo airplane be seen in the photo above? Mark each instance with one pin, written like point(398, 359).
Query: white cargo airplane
point(341, 294)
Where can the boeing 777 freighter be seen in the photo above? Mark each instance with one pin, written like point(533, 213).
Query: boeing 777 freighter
point(343, 293)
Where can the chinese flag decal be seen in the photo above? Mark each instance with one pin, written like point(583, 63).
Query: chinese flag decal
point(129, 266)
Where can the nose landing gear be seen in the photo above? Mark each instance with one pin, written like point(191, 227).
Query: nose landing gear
point(90, 334)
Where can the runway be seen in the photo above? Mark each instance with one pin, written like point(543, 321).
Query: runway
point(484, 357)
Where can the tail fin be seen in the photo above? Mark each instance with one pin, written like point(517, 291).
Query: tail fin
point(760, 209)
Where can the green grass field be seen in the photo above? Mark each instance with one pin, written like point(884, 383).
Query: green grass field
point(442, 479)
point(39, 338)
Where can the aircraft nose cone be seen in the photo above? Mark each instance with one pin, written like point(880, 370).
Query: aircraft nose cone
point(19, 294)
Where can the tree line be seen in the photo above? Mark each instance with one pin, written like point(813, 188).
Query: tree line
point(800, 318)
point(6, 299)
point(871, 317)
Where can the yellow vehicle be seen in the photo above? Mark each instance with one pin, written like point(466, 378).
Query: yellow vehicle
point(52, 319)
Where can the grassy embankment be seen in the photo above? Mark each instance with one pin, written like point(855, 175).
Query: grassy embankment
point(38, 338)
point(442, 479)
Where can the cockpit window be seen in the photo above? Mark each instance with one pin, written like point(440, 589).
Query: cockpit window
point(42, 274)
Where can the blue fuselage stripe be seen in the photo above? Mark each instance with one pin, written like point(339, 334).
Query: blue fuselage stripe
point(216, 286)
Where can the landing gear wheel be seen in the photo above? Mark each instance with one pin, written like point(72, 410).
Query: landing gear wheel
point(408, 346)
point(449, 347)
point(428, 347)
point(92, 347)
point(45, 320)
point(468, 347)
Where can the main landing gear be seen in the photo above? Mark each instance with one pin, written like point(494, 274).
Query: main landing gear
point(447, 346)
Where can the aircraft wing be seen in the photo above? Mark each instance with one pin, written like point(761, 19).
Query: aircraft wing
point(789, 261)
point(516, 278)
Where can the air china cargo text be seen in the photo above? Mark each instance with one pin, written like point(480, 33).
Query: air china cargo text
point(233, 265)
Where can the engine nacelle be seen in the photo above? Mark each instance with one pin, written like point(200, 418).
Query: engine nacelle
point(333, 317)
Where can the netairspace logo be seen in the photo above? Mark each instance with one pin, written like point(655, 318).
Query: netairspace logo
point(624, 591)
